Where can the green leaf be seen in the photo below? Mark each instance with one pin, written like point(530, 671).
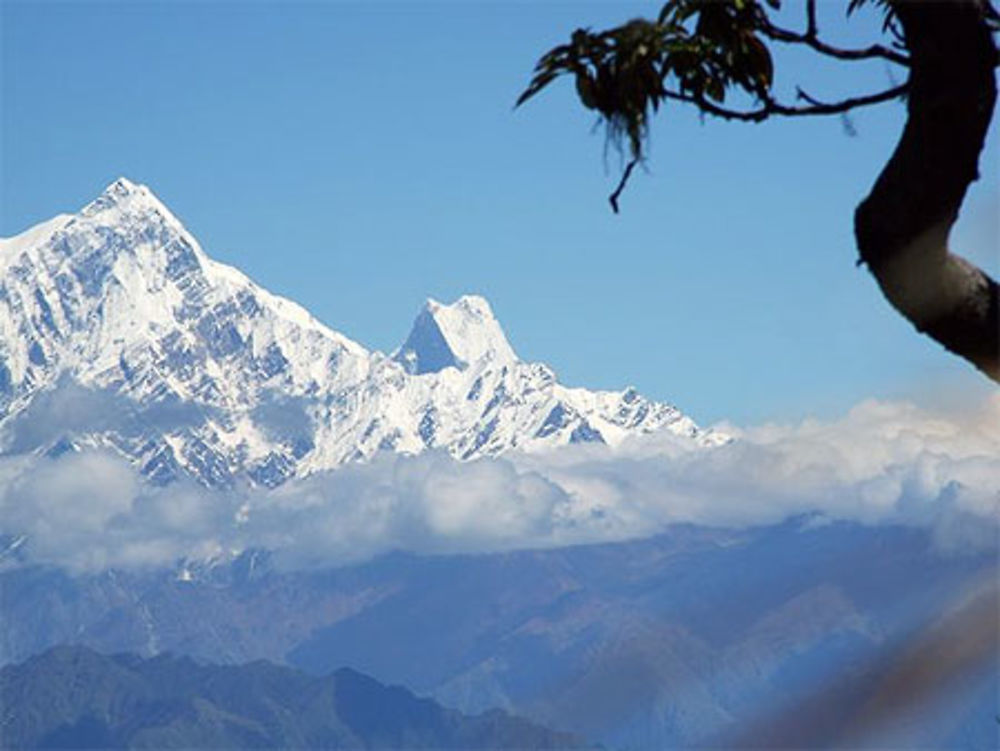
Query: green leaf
point(760, 60)
point(716, 90)
point(585, 89)
point(538, 83)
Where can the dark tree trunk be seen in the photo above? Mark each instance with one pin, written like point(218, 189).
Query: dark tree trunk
point(902, 227)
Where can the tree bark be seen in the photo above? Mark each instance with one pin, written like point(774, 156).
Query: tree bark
point(902, 227)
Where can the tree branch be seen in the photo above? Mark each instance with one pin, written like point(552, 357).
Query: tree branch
point(752, 116)
point(902, 227)
point(772, 107)
point(811, 39)
point(613, 198)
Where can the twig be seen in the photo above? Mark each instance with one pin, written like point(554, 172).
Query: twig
point(811, 39)
point(613, 199)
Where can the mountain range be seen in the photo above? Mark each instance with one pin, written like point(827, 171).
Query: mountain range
point(117, 330)
point(780, 636)
point(118, 333)
point(73, 697)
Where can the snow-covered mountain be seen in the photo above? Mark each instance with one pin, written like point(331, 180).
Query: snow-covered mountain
point(116, 329)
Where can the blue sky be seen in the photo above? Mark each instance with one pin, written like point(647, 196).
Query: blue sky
point(362, 157)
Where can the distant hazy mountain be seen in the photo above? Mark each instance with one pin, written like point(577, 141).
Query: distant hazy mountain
point(72, 697)
point(699, 636)
point(186, 366)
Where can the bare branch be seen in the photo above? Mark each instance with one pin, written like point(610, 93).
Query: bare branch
point(613, 198)
point(816, 107)
point(811, 39)
point(801, 93)
point(771, 107)
point(752, 116)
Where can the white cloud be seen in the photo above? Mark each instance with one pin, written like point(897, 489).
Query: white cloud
point(882, 462)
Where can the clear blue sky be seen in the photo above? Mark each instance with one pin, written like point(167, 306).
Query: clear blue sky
point(362, 157)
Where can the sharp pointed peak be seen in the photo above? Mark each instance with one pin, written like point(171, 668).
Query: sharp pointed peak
point(124, 194)
point(122, 184)
point(124, 188)
point(476, 305)
point(456, 334)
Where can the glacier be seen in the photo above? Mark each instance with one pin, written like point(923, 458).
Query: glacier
point(118, 331)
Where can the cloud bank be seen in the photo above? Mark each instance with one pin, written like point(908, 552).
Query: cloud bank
point(880, 463)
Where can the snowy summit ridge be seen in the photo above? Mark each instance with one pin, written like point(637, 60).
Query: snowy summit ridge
point(190, 368)
point(455, 335)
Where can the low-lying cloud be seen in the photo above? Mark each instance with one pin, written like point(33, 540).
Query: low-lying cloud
point(880, 463)
point(71, 408)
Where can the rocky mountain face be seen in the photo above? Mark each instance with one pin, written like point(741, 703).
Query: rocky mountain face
point(72, 697)
point(116, 329)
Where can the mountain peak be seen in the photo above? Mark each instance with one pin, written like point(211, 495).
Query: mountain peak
point(126, 196)
point(475, 305)
point(456, 335)
point(121, 203)
point(188, 368)
point(123, 185)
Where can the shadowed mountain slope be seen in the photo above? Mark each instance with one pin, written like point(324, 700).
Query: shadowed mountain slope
point(72, 697)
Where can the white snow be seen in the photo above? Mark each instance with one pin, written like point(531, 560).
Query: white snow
point(471, 330)
point(121, 298)
point(11, 248)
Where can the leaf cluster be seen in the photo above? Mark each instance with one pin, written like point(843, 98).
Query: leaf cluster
point(699, 48)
